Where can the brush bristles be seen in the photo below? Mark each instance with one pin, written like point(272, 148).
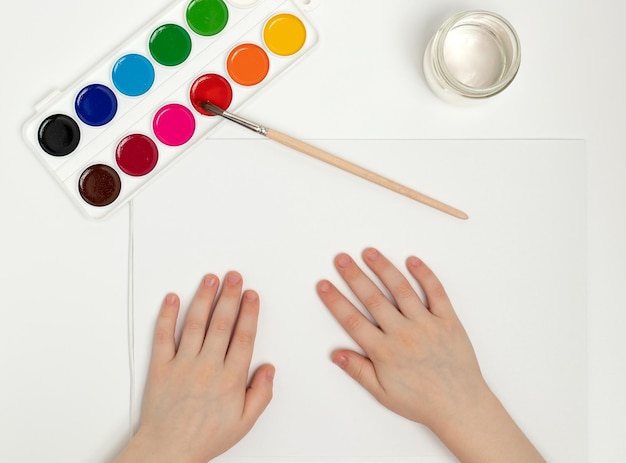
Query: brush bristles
point(210, 107)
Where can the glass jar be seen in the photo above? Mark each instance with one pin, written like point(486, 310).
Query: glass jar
point(474, 55)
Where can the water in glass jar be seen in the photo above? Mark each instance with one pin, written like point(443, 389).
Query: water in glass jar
point(474, 56)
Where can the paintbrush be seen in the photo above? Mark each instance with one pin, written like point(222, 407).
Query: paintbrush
point(333, 160)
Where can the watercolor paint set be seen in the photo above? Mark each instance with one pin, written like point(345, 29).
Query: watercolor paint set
point(115, 129)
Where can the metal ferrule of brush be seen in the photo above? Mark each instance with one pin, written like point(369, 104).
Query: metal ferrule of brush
point(246, 123)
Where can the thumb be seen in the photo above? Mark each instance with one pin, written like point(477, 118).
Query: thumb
point(360, 369)
point(259, 394)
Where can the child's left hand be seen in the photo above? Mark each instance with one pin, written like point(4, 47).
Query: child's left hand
point(197, 402)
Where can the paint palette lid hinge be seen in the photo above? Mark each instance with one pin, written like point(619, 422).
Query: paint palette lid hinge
point(46, 100)
point(308, 5)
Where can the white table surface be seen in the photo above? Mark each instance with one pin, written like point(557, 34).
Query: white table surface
point(64, 348)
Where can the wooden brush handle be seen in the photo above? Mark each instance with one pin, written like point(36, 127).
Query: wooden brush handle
point(333, 160)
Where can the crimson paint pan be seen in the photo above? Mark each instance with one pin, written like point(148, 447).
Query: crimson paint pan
point(115, 129)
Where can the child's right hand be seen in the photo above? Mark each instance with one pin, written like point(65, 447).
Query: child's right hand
point(419, 361)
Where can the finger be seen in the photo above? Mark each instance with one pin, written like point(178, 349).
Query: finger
point(164, 345)
point(223, 318)
point(360, 369)
point(376, 303)
point(239, 353)
point(436, 297)
point(197, 318)
point(364, 333)
point(259, 393)
point(403, 293)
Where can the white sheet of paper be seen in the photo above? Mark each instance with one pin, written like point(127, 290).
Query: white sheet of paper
point(515, 272)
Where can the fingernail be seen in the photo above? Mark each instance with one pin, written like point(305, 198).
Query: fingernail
point(372, 254)
point(170, 299)
point(210, 281)
point(233, 278)
point(414, 262)
point(343, 260)
point(251, 296)
point(323, 286)
point(271, 372)
point(341, 361)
